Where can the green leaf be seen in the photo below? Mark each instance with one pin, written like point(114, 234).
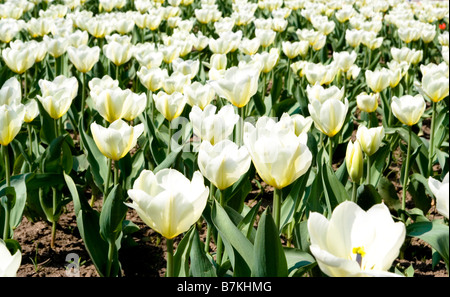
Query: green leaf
point(367, 196)
point(112, 215)
point(19, 183)
point(89, 227)
point(238, 247)
point(334, 190)
point(298, 261)
point(181, 256)
point(269, 259)
point(435, 233)
point(201, 265)
point(388, 194)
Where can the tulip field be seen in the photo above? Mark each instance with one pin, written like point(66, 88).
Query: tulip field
point(210, 138)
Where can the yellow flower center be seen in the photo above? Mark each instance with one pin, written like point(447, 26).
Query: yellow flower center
point(360, 253)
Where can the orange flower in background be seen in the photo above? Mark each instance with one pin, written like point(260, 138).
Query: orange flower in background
point(442, 26)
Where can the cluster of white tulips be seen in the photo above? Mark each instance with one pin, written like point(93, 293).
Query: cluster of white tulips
point(178, 109)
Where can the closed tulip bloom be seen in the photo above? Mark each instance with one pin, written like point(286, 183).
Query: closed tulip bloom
point(11, 92)
point(224, 163)
point(329, 116)
point(367, 102)
point(56, 46)
point(167, 201)
point(9, 264)
point(170, 53)
point(186, 67)
point(370, 138)
point(249, 46)
point(268, 59)
point(355, 242)
point(134, 106)
point(31, 111)
point(266, 37)
point(344, 60)
point(11, 120)
point(408, 34)
point(118, 53)
point(293, 49)
point(149, 58)
point(435, 85)
point(395, 76)
point(19, 60)
point(279, 155)
point(211, 126)
point(199, 94)
point(57, 95)
point(237, 85)
point(441, 194)
point(353, 37)
point(408, 109)
point(84, 57)
point(354, 160)
point(170, 105)
point(111, 104)
point(176, 83)
point(117, 140)
point(378, 80)
point(152, 78)
point(318, 92)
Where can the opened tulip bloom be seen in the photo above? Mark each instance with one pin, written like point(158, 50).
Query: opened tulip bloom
point(117, 140)
point(84, 57)
point(440, 190)
point(279, 155)
point(223, 163)
point(9, 264)
point(408, 109)
point(355, 242)
point(211, 126)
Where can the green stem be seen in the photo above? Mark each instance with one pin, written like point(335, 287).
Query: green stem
point(169, 272)
point(277, 196)
point(54, 204)
point(116, 173)
point(30, 143)
point(219, 252)
point(8, 184)
point(240, 127)
point(111, 250)
point(330, 149)
point(431, 149)
point(117, 73)
point(170, 141)
point(56, 128)
point(368, 170)
point(354, 192)
point(25, 88)
point(212, 190)
point(406, 172)
point(108, 179)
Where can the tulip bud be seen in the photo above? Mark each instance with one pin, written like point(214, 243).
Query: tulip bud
point(11, 120)
point(117, 140)
point(31, 111)
point(408, 109)
point(167, 201)
point(354, 160)
point(367, 102)
point(223, 163)
point(370, 139)
point(170, 105)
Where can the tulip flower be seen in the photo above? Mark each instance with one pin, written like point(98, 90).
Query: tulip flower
point(319, 73)
point(213, 127)
point(354, 242)
point(117, 140)
point(186, 67)
point(441, 194)
point(294, 49)
point(199, 94)
point(278, 154)
point(377, 80)
point(354, 163)
point(31, 111)
point(367, 102)
point(152, 78)
point(111, 103)
point(302, 124)
point(318, 92)
point(83, 57)
point(408, 110)
point(9, 264)
point(370, 140)
point(11, 120)
point(57, 95)
point(11, 92)
point(19, 60)
point(344, 60)
point(176, 83)
point(169, 203)
point(266, 36)
point(118, 53)
point(249, 46)
point(328, 116)
point(170, 105)
point(56, 46)
point(223, 163)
